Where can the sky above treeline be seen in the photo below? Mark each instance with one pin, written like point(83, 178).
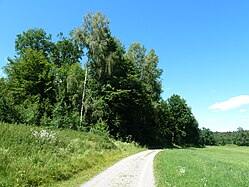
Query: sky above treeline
point(203, 46)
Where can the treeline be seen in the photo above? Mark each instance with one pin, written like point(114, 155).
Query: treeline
point(115, 90)
point(239, 137)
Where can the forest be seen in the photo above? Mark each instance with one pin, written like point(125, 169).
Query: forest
point(89, 82)
point(239, 137)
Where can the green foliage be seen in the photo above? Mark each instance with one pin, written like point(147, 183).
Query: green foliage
point(242, 137)
point(95, 35)
point(44, 75)
point(163, 124)
point(65, 52)
point(29, 111)
point(147, 70)
point(207, 137)
point(184, 125)
point(35, 39)
point(33, 156)
point(8, 111)
point(239, 137)
point(118, 92)
point(100, 128)
point(30, 75)
point(211, 166)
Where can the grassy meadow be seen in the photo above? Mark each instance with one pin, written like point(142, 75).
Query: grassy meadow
point(35, 156)
point(226, 166)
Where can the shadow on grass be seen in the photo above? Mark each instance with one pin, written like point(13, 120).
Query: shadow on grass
point(163, 147)
point(173, 146)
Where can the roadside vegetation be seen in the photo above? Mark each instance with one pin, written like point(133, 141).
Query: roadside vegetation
point(212, 166)
point(35, 156)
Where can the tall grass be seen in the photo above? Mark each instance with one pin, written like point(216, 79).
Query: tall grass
point(213, 166)
point(33, 156)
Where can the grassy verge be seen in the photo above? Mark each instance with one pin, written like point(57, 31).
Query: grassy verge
point(211, 166)
point(32, 156)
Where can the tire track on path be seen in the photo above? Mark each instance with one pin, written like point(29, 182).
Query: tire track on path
point(133, 171)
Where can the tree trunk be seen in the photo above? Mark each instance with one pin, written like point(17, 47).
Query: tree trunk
point(83, 94)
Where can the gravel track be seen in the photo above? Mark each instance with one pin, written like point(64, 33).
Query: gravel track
point(133, 171)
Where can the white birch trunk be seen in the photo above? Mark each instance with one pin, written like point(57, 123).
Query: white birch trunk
point(83, 94)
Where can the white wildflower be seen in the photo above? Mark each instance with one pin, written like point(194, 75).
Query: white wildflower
point(182, 170)
point(204, 180)
point(3, 150)
point(43, 134)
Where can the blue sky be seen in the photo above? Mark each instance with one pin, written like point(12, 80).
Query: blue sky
point(203, 46)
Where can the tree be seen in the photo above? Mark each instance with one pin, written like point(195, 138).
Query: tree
point(184, 126)
point(43, 74)
point(147, 69)
point(35, 39)
point(118, 91)
point(152, 76)
point(95, 36)
point(8, 111)
point(207, 137)
point(148, 74)
point(163, 124)
point(68, 75)
point(241, 137)
point(136, 54)
point(30, 76)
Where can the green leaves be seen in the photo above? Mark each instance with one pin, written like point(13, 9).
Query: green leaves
point(35, 39)
point(118, 89)
point(96, 37)
point(30, 75)
point(47, 71)
point(147, 70)
point(184, 125)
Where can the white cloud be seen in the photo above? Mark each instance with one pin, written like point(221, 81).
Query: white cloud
point(242, 110)
point(231, 103)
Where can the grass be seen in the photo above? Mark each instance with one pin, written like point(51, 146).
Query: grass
point(212, 166)
point(34, 156)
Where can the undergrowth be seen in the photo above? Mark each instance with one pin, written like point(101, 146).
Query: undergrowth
point(35, 156)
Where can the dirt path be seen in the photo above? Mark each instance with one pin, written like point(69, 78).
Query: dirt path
point(133, 171)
